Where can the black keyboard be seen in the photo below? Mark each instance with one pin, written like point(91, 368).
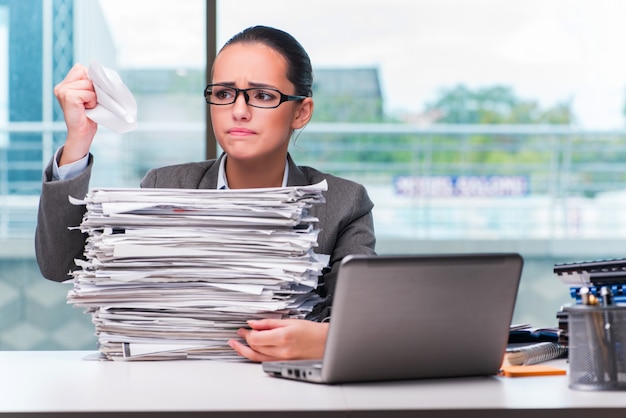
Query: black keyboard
point(602, 272)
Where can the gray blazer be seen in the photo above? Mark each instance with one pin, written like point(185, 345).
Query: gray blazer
point(345, 220)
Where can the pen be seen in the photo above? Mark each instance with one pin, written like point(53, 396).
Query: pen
point(607, 300)
point(584, 295)
point(606, 295)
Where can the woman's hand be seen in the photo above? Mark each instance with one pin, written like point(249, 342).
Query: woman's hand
point(282, 339)
point(75, 94)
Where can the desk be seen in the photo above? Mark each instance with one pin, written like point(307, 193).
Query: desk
point(63, 384)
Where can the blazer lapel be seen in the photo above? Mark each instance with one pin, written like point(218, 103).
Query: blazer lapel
point(296, 176)
point(209, 180)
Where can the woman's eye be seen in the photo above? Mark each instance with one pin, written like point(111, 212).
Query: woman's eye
point(264, 95)
point(223, 94)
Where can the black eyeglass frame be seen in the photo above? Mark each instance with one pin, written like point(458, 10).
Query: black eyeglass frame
point(208, 91)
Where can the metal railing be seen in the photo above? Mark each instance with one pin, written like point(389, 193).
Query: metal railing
point(575, 177)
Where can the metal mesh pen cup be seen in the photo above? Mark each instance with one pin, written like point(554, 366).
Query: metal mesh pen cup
point(597, 347)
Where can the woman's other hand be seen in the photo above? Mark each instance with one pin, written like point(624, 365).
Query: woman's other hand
point(282, 339)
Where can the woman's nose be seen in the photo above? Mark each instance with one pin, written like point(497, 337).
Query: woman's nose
point(241, 110)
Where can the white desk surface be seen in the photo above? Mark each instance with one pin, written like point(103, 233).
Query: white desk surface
point(62, 383)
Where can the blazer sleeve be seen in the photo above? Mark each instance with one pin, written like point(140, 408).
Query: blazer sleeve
point(56, 245)
point(347, 228)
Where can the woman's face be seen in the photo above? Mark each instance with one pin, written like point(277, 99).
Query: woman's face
point(249, 133)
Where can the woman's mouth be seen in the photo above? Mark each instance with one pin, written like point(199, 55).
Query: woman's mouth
point(240, 131)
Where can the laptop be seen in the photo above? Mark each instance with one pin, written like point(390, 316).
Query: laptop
point(415, 317)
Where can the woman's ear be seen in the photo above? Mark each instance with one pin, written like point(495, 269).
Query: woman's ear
point(303, 113)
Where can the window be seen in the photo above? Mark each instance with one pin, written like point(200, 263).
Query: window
point(4, 77)
point(476, 126)
point(40, 40)
point(496, 127)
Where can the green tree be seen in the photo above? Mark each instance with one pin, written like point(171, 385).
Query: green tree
point(495, 105)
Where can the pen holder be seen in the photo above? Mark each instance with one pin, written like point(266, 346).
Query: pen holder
point(597, 347)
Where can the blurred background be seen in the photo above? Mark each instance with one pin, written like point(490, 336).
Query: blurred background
point(476, 126)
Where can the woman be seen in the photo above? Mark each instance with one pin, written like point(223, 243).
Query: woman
point(260, 93)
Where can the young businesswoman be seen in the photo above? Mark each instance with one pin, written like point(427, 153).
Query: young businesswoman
point(259, 94)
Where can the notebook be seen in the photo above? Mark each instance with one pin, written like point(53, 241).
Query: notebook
point(413, 317)
point(523, 354)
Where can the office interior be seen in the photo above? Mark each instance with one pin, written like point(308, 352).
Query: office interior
point(472, 131)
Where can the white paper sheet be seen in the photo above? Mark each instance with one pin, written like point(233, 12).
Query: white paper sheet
point(173, 273)
point(116, 107)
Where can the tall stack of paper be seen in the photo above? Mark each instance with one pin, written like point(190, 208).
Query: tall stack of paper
point(173, 273)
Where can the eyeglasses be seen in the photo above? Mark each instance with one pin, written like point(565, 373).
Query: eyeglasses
point(266, 98)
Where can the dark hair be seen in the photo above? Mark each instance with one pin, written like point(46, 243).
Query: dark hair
point(299, 70)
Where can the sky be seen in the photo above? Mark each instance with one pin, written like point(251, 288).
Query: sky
point(547, 50)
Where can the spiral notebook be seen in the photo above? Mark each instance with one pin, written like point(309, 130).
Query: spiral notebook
point(411, 317)
point(523, 354)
